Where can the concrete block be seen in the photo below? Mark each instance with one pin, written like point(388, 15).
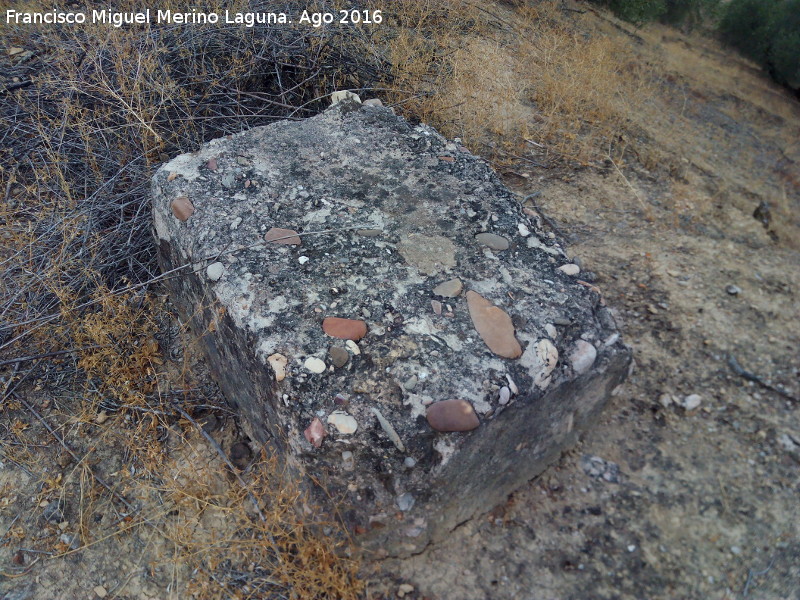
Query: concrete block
point(378, 307)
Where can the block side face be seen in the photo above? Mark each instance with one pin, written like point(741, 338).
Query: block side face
point(386, 213)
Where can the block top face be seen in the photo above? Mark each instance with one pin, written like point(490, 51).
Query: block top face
point(413, 259)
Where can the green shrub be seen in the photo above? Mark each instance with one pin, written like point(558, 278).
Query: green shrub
point(690, 13)
point(768, 31)
point(638, 11)
point(675, 12)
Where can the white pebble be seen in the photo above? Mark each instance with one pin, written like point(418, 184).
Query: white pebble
point(583, 356)
point(353, 347)
point(343, 422)
point(303, 260)
point(691, 401)
point(314, 364)
point(523, 230)
point(570, 269)
point(511, 385)
point(505, 396)
point(214, 271)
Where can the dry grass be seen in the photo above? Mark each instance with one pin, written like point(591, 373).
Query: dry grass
point(496, 79)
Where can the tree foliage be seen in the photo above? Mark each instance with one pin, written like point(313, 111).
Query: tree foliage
point(768, 31)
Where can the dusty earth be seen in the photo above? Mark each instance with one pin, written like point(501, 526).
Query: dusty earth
point(699, 500)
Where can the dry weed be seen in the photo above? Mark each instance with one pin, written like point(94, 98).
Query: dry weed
point(533, 74)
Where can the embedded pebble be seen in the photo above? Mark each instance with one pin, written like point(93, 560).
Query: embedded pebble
point(389, 429)
point(353, 347)
point(436, 306)
point(691, 401)
point(278, 363)
point(493, 325)
point(228, 180)
point(369, 232)
point(315, 433)
point(182, 208)
point(452, 415)
point(339, 356)
point(570, 269)
point(409, 462)
point(347, 460)
point(449, 289)
point(214, 271)
point(582, 356)
point(343, 422)
point(314, 364)
point(665, 400)
point(211, 165)
point(551, 331)
point(511, 385)
point(493, 241)
point(523, 230)
point(430, 254)
point(733, 290)
point(505, 396)
point(288, 237)
point(303, 260)
point(405, 502)
point(373, 102)
point(344, 329)
point(410, 383)
point(540, 359)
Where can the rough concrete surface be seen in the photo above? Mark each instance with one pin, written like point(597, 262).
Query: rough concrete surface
point(372, 214)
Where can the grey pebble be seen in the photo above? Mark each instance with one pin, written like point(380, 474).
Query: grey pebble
point(493, 241)
point(73, 540)
point(733, 290)
point(54, 512)
point(597, 467)
point(228, 180)
point(409, 462)
point(411, 383)
point(405, 502)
